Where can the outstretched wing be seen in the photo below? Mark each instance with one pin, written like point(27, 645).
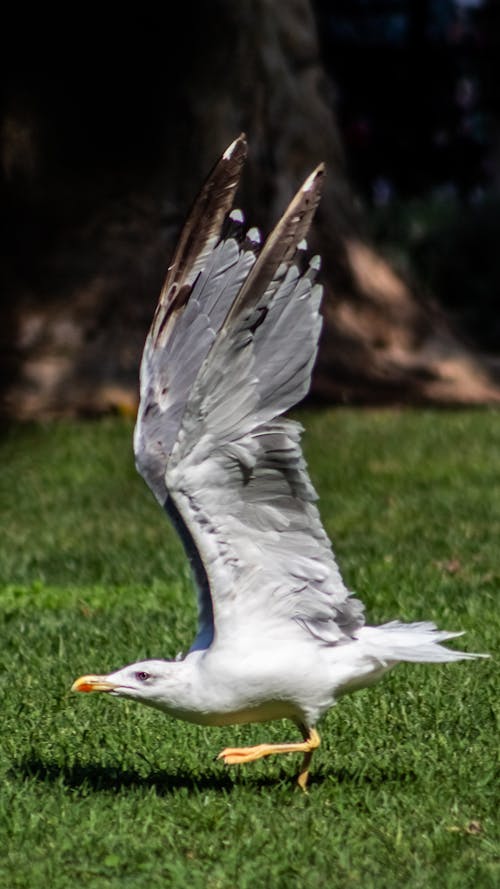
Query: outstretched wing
point(238, 488)
point(185, 323)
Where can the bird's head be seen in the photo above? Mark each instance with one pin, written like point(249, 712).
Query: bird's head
point(151, 682)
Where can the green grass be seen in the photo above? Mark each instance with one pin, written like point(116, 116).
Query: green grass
point(102, 793)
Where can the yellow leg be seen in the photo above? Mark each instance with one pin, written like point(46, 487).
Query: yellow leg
point(304, 771)
point(238, 755)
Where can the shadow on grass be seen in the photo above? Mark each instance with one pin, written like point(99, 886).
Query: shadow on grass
point(96, 778)
point(107, 778)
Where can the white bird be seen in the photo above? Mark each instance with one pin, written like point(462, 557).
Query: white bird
point(231, 348)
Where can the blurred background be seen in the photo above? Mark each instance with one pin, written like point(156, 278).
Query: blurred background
point(111, 119)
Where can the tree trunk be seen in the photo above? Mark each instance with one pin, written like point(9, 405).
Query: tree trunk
point(104, 146)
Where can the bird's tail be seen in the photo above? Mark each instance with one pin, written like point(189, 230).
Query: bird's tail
point(416, 642)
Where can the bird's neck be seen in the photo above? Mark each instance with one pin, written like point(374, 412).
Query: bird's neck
point(181, 693)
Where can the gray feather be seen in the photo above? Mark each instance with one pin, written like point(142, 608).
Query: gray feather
point(225, 358)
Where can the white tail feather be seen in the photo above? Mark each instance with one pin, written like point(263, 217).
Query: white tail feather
point(415, 642)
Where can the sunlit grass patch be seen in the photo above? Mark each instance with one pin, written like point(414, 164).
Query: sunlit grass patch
point(96, 792)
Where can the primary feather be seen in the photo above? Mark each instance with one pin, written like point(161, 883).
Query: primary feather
point(211, 442)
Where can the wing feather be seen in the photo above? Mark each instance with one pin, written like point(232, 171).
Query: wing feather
point(217, 375)
point(200, 286)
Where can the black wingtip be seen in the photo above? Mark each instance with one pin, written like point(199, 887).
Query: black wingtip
point(282, 243)
point(237, 149)
point(314, 182)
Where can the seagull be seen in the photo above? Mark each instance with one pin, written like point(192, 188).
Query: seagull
point(231, 348)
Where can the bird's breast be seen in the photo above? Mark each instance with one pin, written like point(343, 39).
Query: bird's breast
point(264, 712)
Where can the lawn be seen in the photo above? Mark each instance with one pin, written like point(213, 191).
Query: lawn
point(97, 792)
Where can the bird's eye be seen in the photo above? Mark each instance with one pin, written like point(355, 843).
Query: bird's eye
point(142, 676)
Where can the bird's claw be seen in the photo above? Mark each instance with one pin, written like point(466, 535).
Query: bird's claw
point(235, 755)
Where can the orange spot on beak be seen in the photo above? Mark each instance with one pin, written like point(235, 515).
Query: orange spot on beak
point(92, 683)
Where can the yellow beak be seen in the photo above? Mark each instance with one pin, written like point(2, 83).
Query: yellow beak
point(92, 683)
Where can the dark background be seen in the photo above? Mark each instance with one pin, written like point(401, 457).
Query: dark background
point(112, 116)
point(418, 94)
point(418, 103)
